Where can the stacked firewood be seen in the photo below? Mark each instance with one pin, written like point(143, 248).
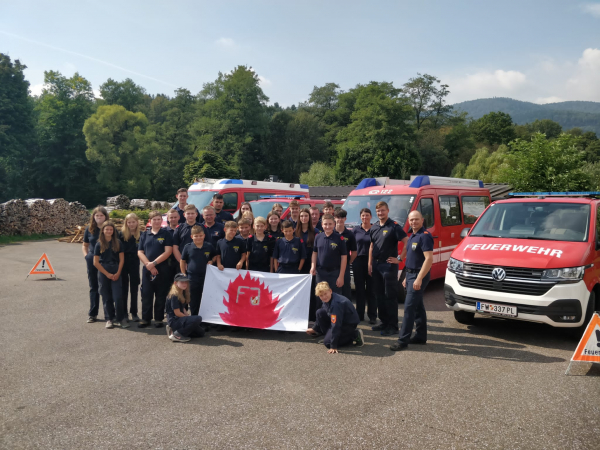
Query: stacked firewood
point(118, 202)
point(159, 205)
point(75, 234)
point(39, 216)
point(140, 203)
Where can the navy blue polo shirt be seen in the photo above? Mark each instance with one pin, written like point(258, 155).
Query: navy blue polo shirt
point(173, 303)
point(181, 212)
point(260, 251)
point(329, 250)
point(183, 234)
point(289, 252)
point(350, 240)
point(153, 245)
point(91, 238)
point(215, 233)
point(363, 241)
point(109, 257)
point(319, 226)
point(341, 312)
point(231, 251)
point(223, 216)
point(275, 234)
point(197, 258)
point(309, 250)
point(130, 246)
point(385, 239)
point(418, 242)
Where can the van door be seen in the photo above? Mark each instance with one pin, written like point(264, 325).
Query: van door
point(451, 225)
point(426, 206)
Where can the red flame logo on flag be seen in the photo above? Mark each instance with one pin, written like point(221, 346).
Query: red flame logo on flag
point(251, 304)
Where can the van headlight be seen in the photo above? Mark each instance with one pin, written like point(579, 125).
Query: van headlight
point(568, 274)
point(454, 265)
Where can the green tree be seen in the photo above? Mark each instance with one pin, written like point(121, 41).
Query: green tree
point(548, 127)
point(208, 165)
point(379, 141)
point(484, 165)
point(427, 96)
point(232, 121)
point(319, 174)
point(543, 164)
point(125, 93)
point(60, 166)
point(458, 140)
point(493, 128)
point(16, 130)
point(112, 136)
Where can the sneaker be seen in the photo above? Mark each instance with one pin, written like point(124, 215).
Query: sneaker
point(143, 324)
point(159, 324)
point(372, 321)
point(398, 346)
point(360, 339)
point(417, 341)
point(117, 323)
point(91, 319)
point(109, 324)
point(176, 337)
point(379, 327)
point(135, 318)
point(169, 330)
point(390, 331)
point(125, 323)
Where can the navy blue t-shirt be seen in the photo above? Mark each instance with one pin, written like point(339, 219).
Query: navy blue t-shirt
point(173, 303)
point(223, 216)
point(329, 250)
point(385, 239)
point(109, 256)
point(183, 234)
point(309, 250)
point(260, 251)
point(181, 212)
point(289, 252)
point(154, 245)
point(91, 238)
point(363, 241)
point(231, 251)
point(418, 242)
point(350, 240)
point(197, 258)
point(215, 233)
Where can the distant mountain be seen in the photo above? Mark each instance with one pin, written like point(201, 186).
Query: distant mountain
point(585, 115)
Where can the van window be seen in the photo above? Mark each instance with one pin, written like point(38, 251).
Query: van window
point(473, 207)
point(425, 207)
point(449, 210)
point(399, 206)
point(250, 196)
point(230, 200)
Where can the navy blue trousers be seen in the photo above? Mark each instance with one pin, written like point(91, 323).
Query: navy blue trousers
point(92, 273)
point(323, 326)
point(414, 310)
point(330, 276)
point(347, 288)
point(130, 276)
point(364, 288)
point(385, 281)
point(154, 292)
point(196, 289)
point(292, 268)
point(112, 295)
point(189, 326)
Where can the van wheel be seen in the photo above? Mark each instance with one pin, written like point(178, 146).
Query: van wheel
point(401, 289)
point(589, 312)
point(464, 317)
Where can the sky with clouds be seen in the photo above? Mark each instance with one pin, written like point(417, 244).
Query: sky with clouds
point(534, 50)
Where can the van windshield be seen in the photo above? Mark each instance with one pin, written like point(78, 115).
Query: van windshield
point(528, 220)
point(399, 205)
point(200, 199)
point(261, 209)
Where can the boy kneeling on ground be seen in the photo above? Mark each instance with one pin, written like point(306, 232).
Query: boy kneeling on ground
point(336, 319)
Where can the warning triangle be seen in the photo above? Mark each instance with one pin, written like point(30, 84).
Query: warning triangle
point(589, 346)
point(42, 267)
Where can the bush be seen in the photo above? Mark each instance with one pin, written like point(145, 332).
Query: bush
point(141, 213)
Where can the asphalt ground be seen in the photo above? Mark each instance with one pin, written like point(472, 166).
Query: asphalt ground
point(66, 384)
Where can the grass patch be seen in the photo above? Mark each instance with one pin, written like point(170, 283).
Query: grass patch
point(4, 240)
point(141, 213)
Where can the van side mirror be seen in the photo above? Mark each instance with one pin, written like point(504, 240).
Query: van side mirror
point(464, 232)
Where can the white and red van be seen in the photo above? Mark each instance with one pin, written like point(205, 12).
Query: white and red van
point(448, 206)
point(264, 206)
point(534, 257)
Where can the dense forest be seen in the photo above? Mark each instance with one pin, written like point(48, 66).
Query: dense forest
point(584, 115)
point(67, 143)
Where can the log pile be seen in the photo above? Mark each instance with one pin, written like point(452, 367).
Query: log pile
point(118, 202)
point(74, 234)
point(39, 216)
point(160, 205)
point(139, 203)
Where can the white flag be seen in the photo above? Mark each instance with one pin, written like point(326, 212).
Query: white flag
point(244, 298)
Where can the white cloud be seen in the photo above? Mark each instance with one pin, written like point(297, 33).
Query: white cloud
point(225, 42)
point(36, 89)
point(551, 99)
point(591, 8)
point(585, 82)
point(97, 93)
point(264, 81)
point(497, 83)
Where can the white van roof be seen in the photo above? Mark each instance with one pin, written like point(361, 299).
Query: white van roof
point(202, 184)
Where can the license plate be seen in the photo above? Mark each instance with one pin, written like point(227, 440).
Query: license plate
point(496, 310)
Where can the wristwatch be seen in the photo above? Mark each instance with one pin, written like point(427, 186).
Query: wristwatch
point(399, 259)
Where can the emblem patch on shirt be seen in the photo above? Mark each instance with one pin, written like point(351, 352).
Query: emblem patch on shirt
point(415, 245)
point(294, 249)
point(207, 254)
point(333, 318)
point(235, 249)
point(333, 245)
point(385, 231)
point(265, 247)
point(160, 240)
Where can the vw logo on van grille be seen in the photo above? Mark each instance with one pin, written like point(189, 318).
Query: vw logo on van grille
point(498, 274)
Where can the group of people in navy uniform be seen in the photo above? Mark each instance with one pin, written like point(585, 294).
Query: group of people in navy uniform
point(175, 259)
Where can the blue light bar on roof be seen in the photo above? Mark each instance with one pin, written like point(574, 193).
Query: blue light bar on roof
point(231, 182)
point(367, 182)
point(550, 194)
point(304, 186)
point(419, 181)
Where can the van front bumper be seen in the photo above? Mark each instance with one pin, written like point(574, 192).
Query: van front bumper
point(561, 300)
